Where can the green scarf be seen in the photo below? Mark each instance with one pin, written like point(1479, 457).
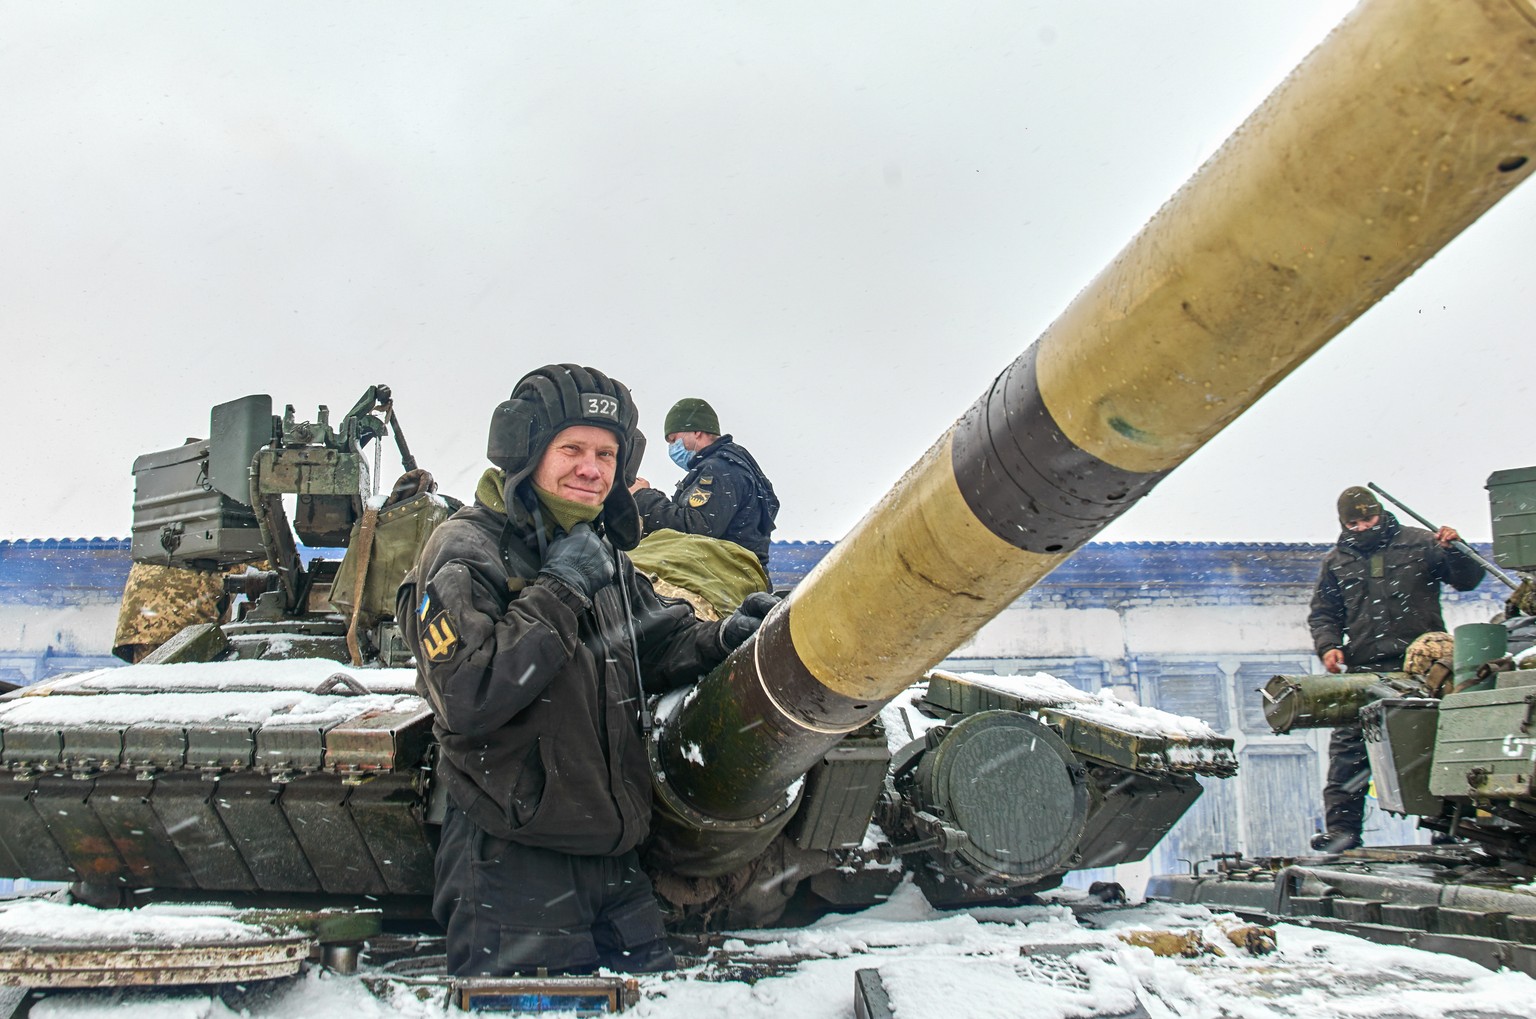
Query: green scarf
point(566, 512)
point(488, 490)
point(563, 513)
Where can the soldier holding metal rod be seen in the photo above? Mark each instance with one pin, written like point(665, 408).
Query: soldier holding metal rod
point(1378, 590)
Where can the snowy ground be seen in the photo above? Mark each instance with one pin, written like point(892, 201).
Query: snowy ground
point(957, 964)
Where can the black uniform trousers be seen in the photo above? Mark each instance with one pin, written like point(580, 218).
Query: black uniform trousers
point(1349, 768)
point(511, 909)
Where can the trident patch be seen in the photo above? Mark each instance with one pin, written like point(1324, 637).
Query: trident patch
point(439, 639)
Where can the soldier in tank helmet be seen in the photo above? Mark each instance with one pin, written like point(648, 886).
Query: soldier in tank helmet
point(536, 643)
point(725, 494)
point(1378, 590)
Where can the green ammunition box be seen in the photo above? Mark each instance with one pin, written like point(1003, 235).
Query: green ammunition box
point(180, 519)
point(841, 794)
point(1399, 740)
point(1512, 504)
point(328, 483)
point(1485, 741)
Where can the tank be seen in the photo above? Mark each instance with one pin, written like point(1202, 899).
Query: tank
point(1449, 740)
point(788, 780)
point(240, 773)
point(1462, 762)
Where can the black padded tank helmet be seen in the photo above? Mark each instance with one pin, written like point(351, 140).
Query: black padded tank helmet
point(553, 398)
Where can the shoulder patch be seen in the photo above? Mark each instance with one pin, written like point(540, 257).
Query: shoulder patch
point(698, 497)
point(440, 637)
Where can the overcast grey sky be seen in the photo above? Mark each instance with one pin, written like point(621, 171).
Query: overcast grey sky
point(835, 221)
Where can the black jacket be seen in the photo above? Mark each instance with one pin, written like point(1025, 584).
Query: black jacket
point(724, 495)
point(1373, 601)
point(533, 688)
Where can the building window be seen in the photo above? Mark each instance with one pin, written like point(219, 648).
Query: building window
point(1194, 688)
point(1251, 678)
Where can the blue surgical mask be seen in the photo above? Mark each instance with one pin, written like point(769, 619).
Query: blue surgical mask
point(679, 453)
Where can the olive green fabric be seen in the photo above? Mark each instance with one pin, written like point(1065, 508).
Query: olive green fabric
point(691, 414)
point(567, 512)
point(490, 489)
point(721, 572)
point(398, 536)
point(1356, 503)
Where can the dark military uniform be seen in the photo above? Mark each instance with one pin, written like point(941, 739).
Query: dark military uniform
point(1378, 590)
point(532, 630)
point(537, 702)
point(724, 495)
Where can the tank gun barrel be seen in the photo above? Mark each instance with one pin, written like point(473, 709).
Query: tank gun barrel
point(1408, 122)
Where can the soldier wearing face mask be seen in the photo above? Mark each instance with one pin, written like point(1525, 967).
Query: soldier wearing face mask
point(724, 494)
point(1378, 590)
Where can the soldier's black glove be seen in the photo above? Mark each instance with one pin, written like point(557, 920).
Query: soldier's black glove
point(579, 560)
point(744, 622)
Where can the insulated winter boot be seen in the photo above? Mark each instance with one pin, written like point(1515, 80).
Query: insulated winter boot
point(1335, 841)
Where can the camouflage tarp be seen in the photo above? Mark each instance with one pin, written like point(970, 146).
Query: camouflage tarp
point(160, 601)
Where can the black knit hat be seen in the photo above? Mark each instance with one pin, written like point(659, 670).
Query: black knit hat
point(553, 398)
point(691, 414)
point(1356, 503)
